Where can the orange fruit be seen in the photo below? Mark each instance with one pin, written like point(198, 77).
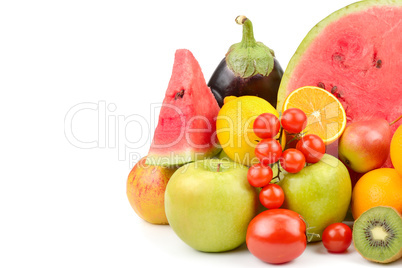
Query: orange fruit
point(325, 114)
point(379, 187)
point(396, 150)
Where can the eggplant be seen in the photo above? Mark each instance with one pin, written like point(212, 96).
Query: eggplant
point(248, 68)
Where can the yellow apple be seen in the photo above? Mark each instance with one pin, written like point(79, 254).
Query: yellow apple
point(146, 187)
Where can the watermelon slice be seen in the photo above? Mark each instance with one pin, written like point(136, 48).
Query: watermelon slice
point(186, 129)
point(356, 54)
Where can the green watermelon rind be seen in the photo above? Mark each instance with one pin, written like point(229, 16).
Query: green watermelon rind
point(315, 31)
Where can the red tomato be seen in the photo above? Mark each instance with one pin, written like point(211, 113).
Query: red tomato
point(276, 236)
point(294, 120)
point(268, 151)
point(272, 196)
point(259, 175)
point(337, 237)
point(266, 125)
point(292, 160)
point(312, 146)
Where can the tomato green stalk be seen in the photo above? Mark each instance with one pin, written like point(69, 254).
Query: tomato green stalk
point(298, 136)
point(310, 236)
point(278, 177)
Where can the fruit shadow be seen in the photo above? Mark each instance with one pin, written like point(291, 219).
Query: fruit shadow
point(318, 247)
point(397, 263)
point(158, 235)
point(162, 237)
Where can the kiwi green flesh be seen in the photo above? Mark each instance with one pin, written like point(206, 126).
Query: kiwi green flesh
point(377, 234)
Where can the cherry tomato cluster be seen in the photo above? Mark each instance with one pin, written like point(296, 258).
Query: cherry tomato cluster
point(309, 149)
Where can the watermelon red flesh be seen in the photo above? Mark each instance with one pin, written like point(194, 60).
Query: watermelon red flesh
point(355, 53)
point(186, 129)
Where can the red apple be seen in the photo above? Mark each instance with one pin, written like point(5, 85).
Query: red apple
point(146, 186)
point(364, 145)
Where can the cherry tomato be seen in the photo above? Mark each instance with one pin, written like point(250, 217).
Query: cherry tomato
point(294, 120)
point(292, 160)
point(276, 236)
point(268, 151)
point(272, 196)
point(266, 125)
point(259, 175)
point(337, 237)
point(312, 146)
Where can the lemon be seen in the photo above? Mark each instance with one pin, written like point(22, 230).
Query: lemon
point(234, 127)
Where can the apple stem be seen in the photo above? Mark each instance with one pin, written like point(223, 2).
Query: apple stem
point(219, 167)
point(396, 120)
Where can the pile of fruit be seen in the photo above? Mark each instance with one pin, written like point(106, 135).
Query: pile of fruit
point(279, 160)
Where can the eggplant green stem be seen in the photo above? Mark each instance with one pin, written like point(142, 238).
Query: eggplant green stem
point(249, 57)
point(248, 39)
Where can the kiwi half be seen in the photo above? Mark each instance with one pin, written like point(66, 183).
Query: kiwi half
point(377, 234)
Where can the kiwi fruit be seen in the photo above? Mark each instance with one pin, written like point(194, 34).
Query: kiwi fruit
point(377, 234)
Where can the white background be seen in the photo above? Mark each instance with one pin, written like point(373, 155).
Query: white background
point(84, 74)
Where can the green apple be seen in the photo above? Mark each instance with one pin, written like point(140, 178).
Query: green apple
point(209, 204)
point(320, 193)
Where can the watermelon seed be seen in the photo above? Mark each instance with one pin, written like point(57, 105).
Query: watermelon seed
point(179, 94)
point(334, 89)
point(338, 57)
point(321, 85)
point(378, 64)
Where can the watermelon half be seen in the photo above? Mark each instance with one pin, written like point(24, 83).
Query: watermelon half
point(356, 54)
point(186, 129)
